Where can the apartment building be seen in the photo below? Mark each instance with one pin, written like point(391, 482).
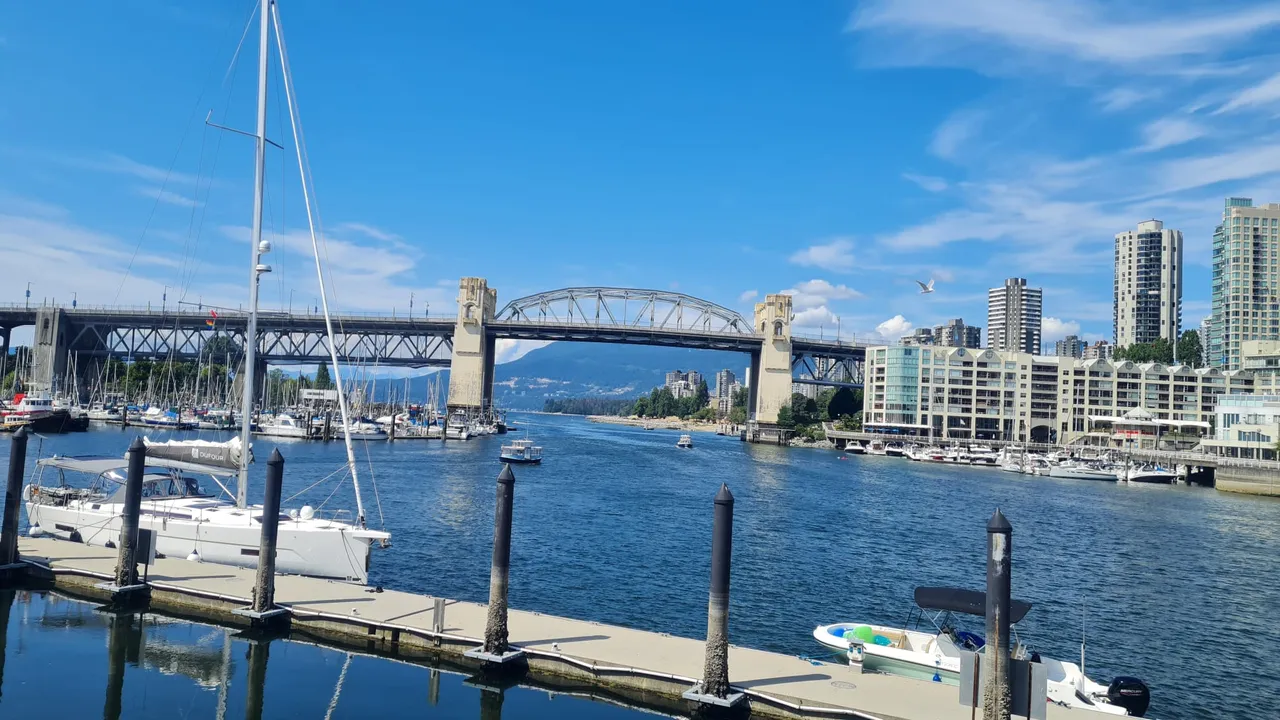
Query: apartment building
point(991, 395)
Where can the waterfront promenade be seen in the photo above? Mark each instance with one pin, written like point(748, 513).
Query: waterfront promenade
point(650, 668)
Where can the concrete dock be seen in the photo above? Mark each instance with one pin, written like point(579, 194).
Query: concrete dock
point(650, 668)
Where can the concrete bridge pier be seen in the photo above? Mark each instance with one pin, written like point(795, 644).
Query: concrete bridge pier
point(49, 348)
point(771, 368)
point(471, 368)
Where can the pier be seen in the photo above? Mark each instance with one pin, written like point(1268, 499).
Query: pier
point(647, 667)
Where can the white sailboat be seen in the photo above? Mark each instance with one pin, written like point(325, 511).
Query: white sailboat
point(188, 519)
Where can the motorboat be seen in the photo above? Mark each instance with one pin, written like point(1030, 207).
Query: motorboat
point(37, 414)
point(895, 450)
point(521, 451)
point(363, 430)
point(100, 413)
point(156, 417)
point(685, 441)
point(188, 519)
point(456, 432)
point(982, 455)
point(934, 654)
point(285, 425)
point(1079, 470)
point(877, 447)
point(1153, 474)
point(853, 447)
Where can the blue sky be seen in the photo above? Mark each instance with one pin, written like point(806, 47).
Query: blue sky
point(726, 150)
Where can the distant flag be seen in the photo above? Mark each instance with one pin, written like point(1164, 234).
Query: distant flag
point(213, 317)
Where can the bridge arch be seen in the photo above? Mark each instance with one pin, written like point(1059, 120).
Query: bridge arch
point(625, 308)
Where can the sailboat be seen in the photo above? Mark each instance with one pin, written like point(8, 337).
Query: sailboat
point(189, 519)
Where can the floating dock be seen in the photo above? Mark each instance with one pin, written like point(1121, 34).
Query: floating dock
point(652, 669)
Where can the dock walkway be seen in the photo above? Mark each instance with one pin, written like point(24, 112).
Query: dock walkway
point(633, 662)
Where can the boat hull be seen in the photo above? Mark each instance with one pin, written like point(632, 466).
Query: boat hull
point(520, 460)
point(332, 553)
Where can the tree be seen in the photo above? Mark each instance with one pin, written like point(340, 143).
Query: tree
point(221, 348)
point(641, 407)
point(843, 403)
point(704, 394)
point(824, 400)
point(738, 415)
point(786, 418)
point(1190, 350)
point(804, 411)
point(323, 382)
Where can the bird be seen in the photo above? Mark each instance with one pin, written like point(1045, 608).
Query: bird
point(925, 289)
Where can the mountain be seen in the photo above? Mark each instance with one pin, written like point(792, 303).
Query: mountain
point(565, 369)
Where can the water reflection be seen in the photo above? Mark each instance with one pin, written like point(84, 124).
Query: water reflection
point(159, 667)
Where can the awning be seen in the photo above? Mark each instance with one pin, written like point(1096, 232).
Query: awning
point(969, 602)
point(901, 425)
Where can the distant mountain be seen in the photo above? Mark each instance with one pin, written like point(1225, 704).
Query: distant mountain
point(565, 369)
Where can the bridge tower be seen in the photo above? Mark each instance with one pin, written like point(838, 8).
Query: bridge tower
point(471, 369)
point(49, 349)
point(771, 366)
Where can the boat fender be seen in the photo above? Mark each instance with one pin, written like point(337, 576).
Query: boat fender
point(27, 492)
point(194, 556)
point(307, 512)
point(75, 537)
point(35, 531)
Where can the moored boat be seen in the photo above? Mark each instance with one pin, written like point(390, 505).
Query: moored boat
point(854, 447)
point(523, 452)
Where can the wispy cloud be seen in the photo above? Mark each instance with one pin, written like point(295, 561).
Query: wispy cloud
point(1170, 131)
point(1263, 94)
point(956, 132)
point(748, 295)
point(1123, 98)
point(121, 165)
point(927, 182)
point(836, 254)
point(168, 197)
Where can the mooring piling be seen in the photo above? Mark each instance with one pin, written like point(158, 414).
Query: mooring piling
point(996, 698)
point(714, 689)
point(264, 588)
point(127, 562)
point(496, 648)
point(12, 496)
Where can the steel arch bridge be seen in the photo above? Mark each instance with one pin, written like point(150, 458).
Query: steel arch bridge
point(624, 307)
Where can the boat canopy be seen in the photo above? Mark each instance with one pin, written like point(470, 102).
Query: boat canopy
point(962, 600)
point(101, 465)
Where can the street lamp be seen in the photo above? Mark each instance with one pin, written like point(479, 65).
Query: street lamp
point(74, 297)
point(410, 306)
point(28, 296)
point(164, 298)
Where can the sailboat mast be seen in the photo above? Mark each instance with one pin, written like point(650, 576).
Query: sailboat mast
point(255, 250)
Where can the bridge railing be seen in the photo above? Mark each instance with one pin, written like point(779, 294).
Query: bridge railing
point(593, 325)
point(223, 312)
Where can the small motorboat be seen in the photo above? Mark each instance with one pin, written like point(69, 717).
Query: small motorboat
point(934, 654)
point(877, 447)
point(1153, 474)
point(895, 450)
point(685, 441)
point(523, 452)
point(853, 447)
point(1082, 471)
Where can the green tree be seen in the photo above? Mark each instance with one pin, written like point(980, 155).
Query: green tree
point(843, 403)
point(1190, 350)
point(824, 400)
point(641, 407)
point(738, 415)
point(804, 411)
point(704, 394)
point(323, 381)
point(786, 418)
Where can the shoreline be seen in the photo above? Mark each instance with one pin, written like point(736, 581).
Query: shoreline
point(659, 424)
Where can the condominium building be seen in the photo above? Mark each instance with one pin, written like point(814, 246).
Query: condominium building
point(954, 333)
point(960, 393)
point(1246, 426)
point(683, 384)
point(1148, 284)
point(1101, 350)
point(921, 336)
point(1070, 346)
point(1262, 358)
point(1013, 317)
point(726, 385)
point(1246, 260)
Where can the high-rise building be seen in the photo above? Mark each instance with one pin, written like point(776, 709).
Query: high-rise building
point(954, 333)
point(921, 336)
point(725, 381)
point(1013, 317)
point(1070, 346)
point(1148, 284)
point(1245, 301)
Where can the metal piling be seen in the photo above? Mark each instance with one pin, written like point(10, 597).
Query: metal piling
point(12, 497)
point(264, 588)
point(495, 631)
point(995, 658)
point(127, 564)
point(714, 689)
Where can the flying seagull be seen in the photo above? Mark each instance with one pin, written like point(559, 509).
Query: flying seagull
point(925, 289)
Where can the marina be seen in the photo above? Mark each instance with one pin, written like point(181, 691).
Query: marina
point(636, 527)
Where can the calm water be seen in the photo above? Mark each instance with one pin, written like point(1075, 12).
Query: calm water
point(140, 667)
point(1175, 585)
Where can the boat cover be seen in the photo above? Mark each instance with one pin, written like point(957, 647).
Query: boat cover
point(223, 455)
point(962, 600)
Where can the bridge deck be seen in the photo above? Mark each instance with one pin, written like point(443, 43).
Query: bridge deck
point(615, 656)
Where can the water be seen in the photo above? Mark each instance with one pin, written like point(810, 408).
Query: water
point(1173, 584)
point(149, 666)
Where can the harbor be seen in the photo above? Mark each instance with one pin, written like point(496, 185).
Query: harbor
point(821, 527)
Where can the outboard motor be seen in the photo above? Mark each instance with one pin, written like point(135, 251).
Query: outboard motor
point(1131, 694)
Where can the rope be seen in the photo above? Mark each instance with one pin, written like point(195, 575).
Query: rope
point(337, 689)
point(817, 660)
point(312, 485)
point(382, 521)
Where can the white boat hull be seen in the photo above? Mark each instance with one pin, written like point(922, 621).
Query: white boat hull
point(316, 548)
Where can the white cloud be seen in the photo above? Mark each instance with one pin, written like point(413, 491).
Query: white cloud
point(1123, 98)
point(1265, 93)
point(893, 328)
point(121, 165)
point(1082, 30)
point(955, 132)
point(1237, 164)
point(836, 254)
point(168, 197)
point(1052, 329)
point(927, 182)
point(817, 317)
point(748, 296)
point(505, 350)
point(1167, 132)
